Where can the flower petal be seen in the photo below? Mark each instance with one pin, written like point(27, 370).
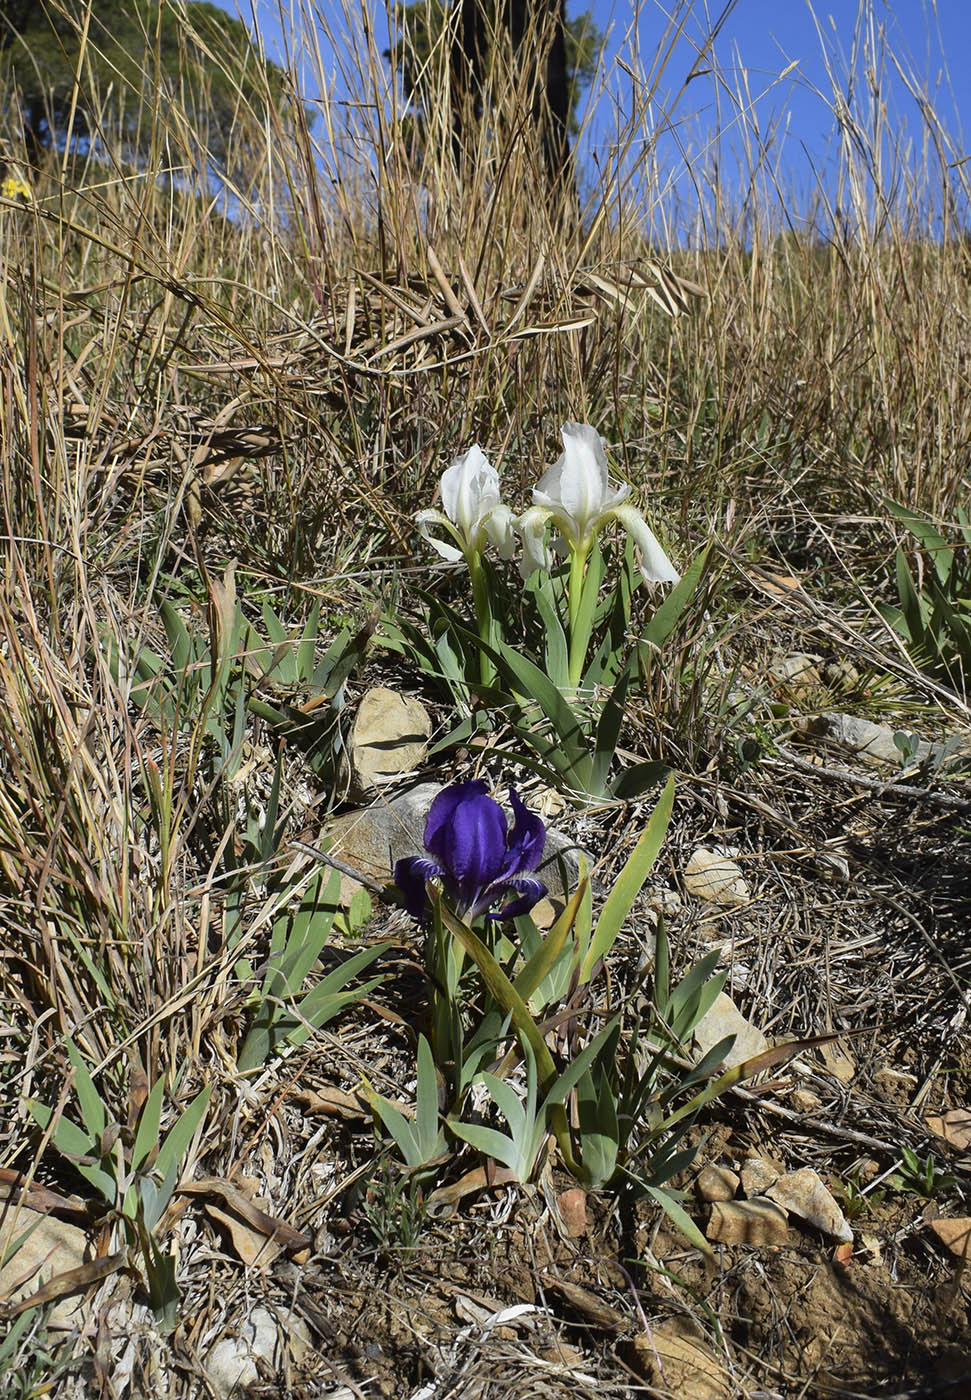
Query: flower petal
point(470, 489)
point(466, 830)
point(499, 526)
point(527, 840)
point(656, 567)
point(582, 482)
point(411, 874)
point(423, 519)
point(531, 527)
point(530, 891)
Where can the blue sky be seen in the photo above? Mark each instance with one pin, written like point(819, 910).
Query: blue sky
point(758, 41)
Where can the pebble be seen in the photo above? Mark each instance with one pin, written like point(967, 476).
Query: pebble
point(758, 1221)
point(716, 1183)
point(802, 1193)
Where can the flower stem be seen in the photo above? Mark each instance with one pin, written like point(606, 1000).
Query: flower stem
point(483, 614)
point(578, 644)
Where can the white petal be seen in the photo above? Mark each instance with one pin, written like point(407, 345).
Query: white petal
point(656, 567)
point(531, 527)
point(576, 487)
point(470, 488)
point(499, 527)
point(423, 519)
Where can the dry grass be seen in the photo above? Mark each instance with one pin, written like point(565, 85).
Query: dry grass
point(281, 385)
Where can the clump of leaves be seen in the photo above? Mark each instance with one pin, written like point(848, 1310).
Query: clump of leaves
point(135, 1172)
point(923, 1177)
point(934, 613)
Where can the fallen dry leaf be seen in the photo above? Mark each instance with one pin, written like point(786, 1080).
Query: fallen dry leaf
point(573, 1211)
point(253, 1247)
point(587, 1304)
point(334, 1103)
point(840, 1065)
point(269, 1226)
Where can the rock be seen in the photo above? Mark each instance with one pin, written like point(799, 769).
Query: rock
point(231, 1364)
point(872, 742)
point(664, 902)
point(842, 674)
point(572, 1205)
point(798, 672)
point(375, 838)
point(758, 1174)
point(802, 1193)
point(716, 1183)
point(714, 876)
point(805, 1101)
point(954, 1234)
point(52, 1247)
point(954, 1127)
point(840, 1065)
point(675, 1358)
point(724, 1019)
point(389, 737)
point(758, 1221)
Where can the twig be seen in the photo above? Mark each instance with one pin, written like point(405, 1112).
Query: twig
point(817, 1124)
point(877, 785)
point(374, 886)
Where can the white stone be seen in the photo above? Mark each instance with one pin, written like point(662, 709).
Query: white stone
point(802, 1193)
point(723, 1019)
point(389, 737)
point(231, 1364)
point(52, 1247)
point(712, 875)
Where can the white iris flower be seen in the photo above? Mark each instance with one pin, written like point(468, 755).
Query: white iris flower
point(474, 515)
point(575, 495)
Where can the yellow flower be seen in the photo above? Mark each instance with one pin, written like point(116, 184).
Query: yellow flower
point(13, 186)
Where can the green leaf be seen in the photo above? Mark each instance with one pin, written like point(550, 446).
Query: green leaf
point(633, 782)
point(554, 637)
point(598, 1128)
point(489, 1141)
point(677, 1214)
point(73, 1143)
point(420, 1141)
point(401, 1130)
point(177, 1141)
point(669, 613)
point(629, 882)
point(513, 1005)
point(426, 1106)
point(539, 963)
point(529, 680)
point(274, 1022)
point(149, 1122)
point(308, 645)
point(299, 936)
point(183, 651)
point(93, 1112)
point(607, 734)
point(589, 596)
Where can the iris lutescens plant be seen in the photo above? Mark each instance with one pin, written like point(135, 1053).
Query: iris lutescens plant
point(503, 995)
point(576, 497)
point(473, 517)
point(563, 684)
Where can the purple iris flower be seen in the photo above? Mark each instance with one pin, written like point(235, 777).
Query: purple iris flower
point(478, 861)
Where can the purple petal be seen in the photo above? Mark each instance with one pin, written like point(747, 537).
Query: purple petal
point(442, 810)
point(530, 890)
point(466, 830)
point(411, 874)
point(527, 840)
